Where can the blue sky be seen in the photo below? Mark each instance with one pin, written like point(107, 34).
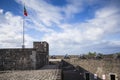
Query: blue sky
point(69, 26)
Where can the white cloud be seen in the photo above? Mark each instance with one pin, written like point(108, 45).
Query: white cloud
point(93, 33)
point(75, 36)
point(72, 37)
point(1, 11)
point(44, 12)
point(11, 30)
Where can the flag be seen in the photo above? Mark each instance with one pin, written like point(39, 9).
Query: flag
point(25, 11)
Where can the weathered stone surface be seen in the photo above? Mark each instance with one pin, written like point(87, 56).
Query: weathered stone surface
point(99, 67)
point(43, 74)
point(24, 59)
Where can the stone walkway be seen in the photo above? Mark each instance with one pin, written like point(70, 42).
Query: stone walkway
point(43, 74)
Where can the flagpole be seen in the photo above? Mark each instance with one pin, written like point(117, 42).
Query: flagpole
point(23, 45)
point(25, 14)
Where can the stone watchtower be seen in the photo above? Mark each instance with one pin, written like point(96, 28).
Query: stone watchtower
point(42, 49)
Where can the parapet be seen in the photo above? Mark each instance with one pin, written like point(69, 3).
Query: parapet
point(24, 58)
point(41, 46)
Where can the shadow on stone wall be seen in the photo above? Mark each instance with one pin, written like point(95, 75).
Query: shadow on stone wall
point(21, 59)
point(71, 72)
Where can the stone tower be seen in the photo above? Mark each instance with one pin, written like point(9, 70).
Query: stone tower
point(42, 48)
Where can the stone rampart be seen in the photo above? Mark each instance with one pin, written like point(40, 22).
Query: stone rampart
point(25, 59)
point(103, 68)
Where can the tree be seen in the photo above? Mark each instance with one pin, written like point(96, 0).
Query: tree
point(90, 54)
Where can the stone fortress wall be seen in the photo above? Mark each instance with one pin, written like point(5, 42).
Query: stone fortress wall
point(25, 59)
point(93, 69)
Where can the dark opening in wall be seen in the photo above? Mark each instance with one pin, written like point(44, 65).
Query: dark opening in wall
point(112, 77)
point(87, 76)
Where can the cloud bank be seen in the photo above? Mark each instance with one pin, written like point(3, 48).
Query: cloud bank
point(54, 24)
